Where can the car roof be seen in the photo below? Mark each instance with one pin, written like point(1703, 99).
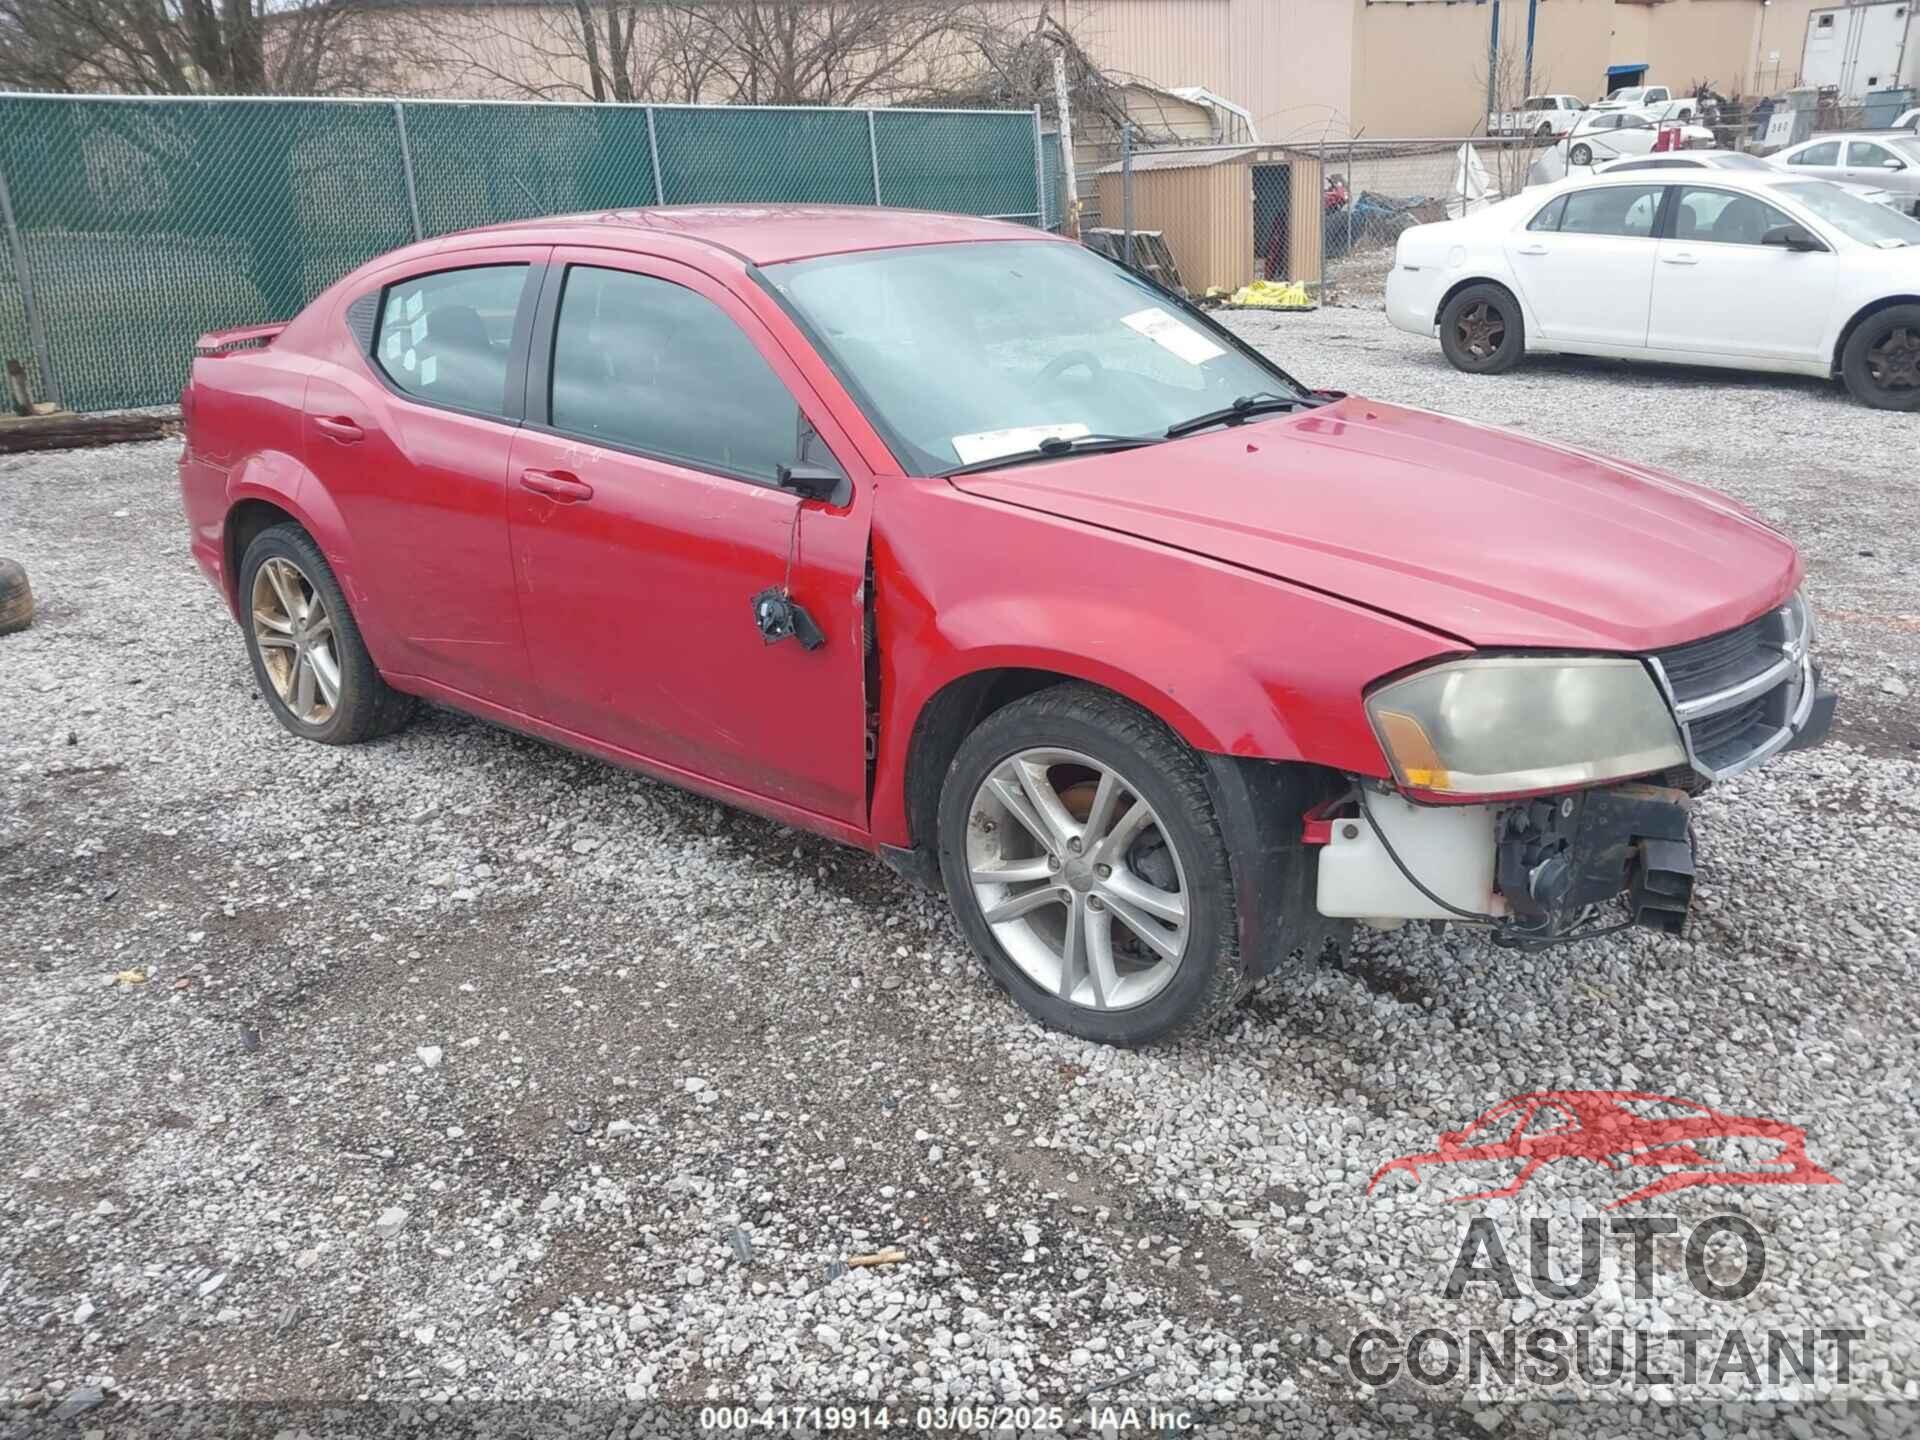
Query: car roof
point(759, 234)
point(1854, 135)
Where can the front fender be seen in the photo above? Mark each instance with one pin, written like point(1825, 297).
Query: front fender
point(1236, 663)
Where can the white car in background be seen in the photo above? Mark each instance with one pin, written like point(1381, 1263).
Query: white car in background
point(1633, 97)
point(1719, 268)
point(1886, 159)
point(1750, 165)
point(1540, 116)
point(1602, 135)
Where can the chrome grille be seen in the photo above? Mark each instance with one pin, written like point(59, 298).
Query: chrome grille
point(1739, 694)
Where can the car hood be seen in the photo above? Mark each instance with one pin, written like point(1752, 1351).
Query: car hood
point(1469, 530)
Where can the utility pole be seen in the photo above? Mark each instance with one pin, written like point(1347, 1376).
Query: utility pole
point(1533, 10)
point(1493, 54)
point(1070, 218)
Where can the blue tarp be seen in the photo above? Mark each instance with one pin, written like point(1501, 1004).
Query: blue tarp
point(1613, 70)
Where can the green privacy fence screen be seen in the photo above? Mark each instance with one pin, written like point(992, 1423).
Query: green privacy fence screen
point(134, 224)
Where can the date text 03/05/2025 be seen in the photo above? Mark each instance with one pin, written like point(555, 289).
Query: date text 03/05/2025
point(947, 1419)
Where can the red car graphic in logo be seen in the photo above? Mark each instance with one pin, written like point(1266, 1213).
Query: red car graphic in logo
point(1624, 1130)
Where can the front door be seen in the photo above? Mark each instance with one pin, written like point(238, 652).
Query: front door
point(646, 515)
point(1717, 289)
point(1585, 264)
point(409, 437)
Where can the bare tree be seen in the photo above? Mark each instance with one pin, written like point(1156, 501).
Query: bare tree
point(748, 52)
point(190, 47)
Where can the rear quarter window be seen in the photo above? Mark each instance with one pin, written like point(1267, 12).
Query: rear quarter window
point(445, 337)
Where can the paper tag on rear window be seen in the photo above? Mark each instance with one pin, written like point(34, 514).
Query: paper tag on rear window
point(991, 444)
point(1171, 334)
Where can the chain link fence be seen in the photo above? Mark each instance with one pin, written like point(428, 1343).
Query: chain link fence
point(134, 224)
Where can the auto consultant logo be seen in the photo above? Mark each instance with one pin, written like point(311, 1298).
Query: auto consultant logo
point(1571, 1326)
point(1627, 1133)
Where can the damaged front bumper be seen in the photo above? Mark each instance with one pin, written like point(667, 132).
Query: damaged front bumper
point(1534, 868)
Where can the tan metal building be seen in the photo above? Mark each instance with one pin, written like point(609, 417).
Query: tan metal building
point(1230, 213)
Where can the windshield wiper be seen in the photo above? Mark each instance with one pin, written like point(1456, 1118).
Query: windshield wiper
point(1242, 409)
point(1054, 447)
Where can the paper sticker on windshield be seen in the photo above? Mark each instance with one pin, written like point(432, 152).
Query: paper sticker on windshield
point(1171, 334)
point(991, 444)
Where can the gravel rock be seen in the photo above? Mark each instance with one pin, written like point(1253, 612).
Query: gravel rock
point(1196, 1217)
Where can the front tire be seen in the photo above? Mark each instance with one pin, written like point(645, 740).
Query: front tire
point(1881, 363)
point(1082, 855)
point(1580, 155)
point(309, 661)
point(1481, 330)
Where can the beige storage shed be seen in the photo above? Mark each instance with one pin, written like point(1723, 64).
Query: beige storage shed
point(1230, 213)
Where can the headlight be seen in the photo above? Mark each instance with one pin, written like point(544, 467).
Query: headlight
point(1504, 725)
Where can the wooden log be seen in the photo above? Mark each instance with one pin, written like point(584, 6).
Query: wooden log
point(65, 431)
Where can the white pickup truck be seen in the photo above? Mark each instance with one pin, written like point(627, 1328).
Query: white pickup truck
point(1541, 115)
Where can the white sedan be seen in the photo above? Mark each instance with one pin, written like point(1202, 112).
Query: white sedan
point(1715, 269)
point(1602, 135)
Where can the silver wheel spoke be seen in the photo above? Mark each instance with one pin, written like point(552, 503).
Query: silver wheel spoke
point(1073, 950)
point(285, 589)
point(302, 703)
point(1014, 906)
point(1012, 872)
point(1045, 800)
point(1106, 980)
point(278, 624)
point(1014, 798)
point(319, 626)
point(1155, 936)
point(326, 671)
point(271, 640)
point(1100, 812)
point(1124, 887)
point(1115, 843)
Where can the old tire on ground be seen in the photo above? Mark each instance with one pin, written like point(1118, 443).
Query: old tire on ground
point(1081, 852)
point(16, 597)
point(309, 661)
point(1881, 363)
point(1580, 155)
point(1481, 330)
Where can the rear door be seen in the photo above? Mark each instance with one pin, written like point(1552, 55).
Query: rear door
point(1717, 289)
point(410, 440)
point(1585, 262)
point(647, 515)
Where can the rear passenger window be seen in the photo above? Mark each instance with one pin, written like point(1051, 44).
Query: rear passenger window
point(445, 337)
point(647, 364)
point(1615, 210)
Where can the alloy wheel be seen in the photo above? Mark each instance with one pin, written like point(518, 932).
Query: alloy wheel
point(1077, 878)
point(1480, 330)
point(296, 639)
point(1894, 362)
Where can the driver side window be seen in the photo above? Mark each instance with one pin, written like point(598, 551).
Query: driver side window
point(648, 365)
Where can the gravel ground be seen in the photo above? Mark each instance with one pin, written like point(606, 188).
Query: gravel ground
point(456, 1066)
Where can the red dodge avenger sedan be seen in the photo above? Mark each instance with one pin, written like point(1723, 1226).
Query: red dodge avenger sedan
point(953, 541)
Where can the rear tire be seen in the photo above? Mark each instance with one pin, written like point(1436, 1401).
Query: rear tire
point(309, 661)
point(1881, 363)
point(16, 597)
point(1580, 155)
point(1481, 330)
point(1067, 941)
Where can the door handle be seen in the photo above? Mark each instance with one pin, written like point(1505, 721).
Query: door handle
point(340, 428)
point(1680, 257)
point(1533, 249)
point(560, 485)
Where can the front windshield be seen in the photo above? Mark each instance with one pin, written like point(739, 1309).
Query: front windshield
point(1857, 219)
point(964, 352)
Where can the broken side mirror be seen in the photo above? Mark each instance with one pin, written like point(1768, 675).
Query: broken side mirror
point(811, 482)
